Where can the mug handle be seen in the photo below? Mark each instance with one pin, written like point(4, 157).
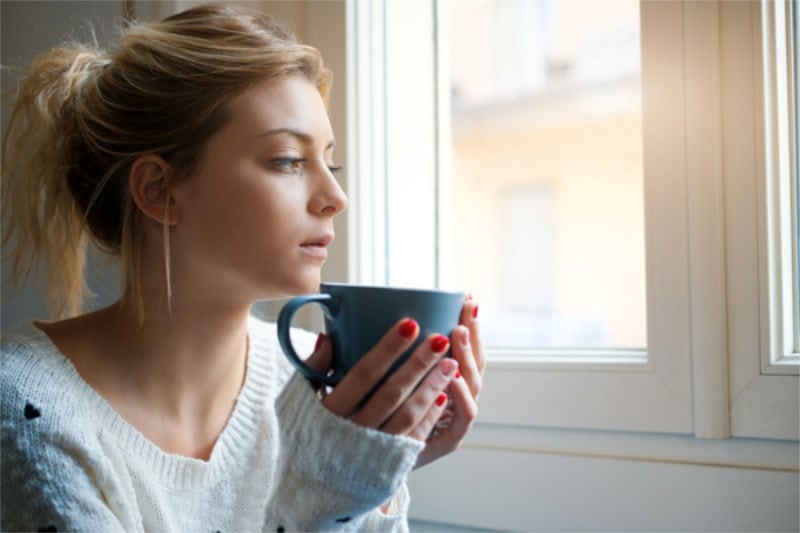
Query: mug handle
point(285, 318)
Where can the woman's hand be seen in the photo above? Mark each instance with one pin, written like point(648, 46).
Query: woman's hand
point(422, 395)
point(410, 401)
point(462, 407)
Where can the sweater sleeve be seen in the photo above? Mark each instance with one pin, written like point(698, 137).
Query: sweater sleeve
point(333, 474)
point(48, 482)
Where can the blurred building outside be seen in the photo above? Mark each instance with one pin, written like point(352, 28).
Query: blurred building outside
point(547, 178)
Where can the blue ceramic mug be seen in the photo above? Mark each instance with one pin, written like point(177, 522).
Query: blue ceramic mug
point(357, 316)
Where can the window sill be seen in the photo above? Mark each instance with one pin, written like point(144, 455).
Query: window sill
point(760, 454)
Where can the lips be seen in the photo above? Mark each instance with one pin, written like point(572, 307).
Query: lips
point(323, 241)
point(317, 246)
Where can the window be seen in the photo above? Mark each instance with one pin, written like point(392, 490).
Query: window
point(702, 181)
point(401, 118)
point(779, 279)
point(547, 170)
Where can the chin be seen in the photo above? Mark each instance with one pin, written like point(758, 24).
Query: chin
point(299, 287)
point(290, 283)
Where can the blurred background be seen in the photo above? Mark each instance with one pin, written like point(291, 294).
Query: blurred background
point(547, 169)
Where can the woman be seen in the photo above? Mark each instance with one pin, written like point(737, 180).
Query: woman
point(201, 153)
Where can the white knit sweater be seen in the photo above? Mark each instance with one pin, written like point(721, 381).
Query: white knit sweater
point(283, 462)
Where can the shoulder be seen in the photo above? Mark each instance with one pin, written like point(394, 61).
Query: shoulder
point(22, 337)
point(48, 433)
point(43, 400)
point(40, 391)
point(33, 371)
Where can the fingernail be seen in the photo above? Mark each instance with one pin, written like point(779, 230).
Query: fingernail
point(475, 312)
point(458, 374)
point(465, 337)
point(320, 338)
point(441, 399)
point(407, 328)
point(439, 343)
point(448, 366)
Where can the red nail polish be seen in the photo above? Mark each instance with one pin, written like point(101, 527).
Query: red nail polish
point(407, 328)
point(320, 338)
point(458, 374)
point(475, 312)
point(439, 343)
point(441, 399)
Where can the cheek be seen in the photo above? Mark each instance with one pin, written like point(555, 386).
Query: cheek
point(242, 213)
point(209, 224)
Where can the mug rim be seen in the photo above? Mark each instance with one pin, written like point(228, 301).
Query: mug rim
point(390, 288)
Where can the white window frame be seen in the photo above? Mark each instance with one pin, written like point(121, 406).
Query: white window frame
point(764, 388)
point(779, 351)
point(683, 382)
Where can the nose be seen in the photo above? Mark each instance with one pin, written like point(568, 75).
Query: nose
point(330, 199)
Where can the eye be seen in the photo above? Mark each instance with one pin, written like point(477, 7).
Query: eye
point(334, 169)
point(289, 165)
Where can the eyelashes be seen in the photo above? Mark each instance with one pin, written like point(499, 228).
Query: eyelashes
point(287, 165)
point(294, 165)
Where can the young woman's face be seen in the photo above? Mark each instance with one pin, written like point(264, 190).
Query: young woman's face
point(256, 217)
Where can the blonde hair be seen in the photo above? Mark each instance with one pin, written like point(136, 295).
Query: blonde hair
point(82, 117)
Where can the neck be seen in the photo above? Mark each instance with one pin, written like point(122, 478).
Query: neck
point(186, 359)
point(177, 375)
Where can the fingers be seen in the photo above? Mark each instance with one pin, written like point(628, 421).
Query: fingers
point(465, 410)
point(469, 318)
point(402, 383)
point(451, 433)
point(419, 413)
point(362, 378)
point(320, 359)
point(412, 401)
point(467, 362)
point(428, 424)
point(468, 347)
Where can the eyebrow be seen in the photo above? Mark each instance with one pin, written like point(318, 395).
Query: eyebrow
point(302, 137)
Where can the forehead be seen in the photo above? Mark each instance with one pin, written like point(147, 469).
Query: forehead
point(289, 102)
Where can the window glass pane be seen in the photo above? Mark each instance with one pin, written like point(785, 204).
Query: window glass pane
point(547, 188)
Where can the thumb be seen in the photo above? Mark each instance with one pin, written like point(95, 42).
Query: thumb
point(320, 359)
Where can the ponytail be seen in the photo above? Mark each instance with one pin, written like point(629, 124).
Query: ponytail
point(82, 118)
point(43, 224)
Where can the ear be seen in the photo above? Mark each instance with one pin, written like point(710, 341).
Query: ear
point(149, 181)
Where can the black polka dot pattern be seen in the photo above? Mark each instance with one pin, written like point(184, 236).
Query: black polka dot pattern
point(343, 520)
point(31, 412)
